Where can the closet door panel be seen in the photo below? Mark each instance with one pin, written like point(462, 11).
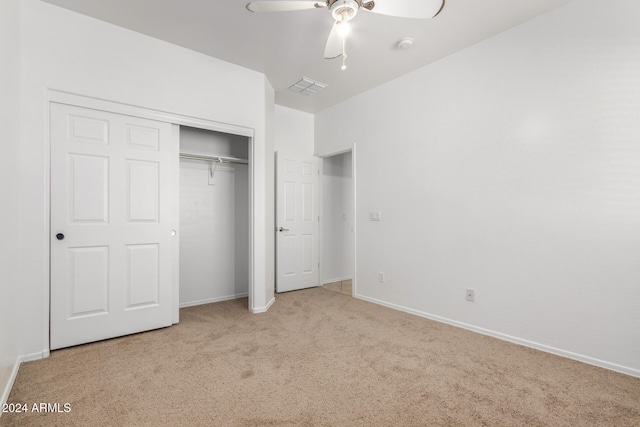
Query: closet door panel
point(89, 189)
point(143, 137)
point(142, 275)
point(111, 251)
point(89, 287)
point(144, 190)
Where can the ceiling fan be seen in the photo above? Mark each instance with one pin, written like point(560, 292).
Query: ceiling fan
point(343, 11)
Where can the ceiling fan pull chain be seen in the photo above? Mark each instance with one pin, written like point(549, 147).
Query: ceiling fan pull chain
point(344, 54)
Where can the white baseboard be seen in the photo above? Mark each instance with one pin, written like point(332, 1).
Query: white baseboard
point(265, 308)
point(542, 347)
point(35, 356)
point(339, 279)
point(14, 373)
point(211, 300)
point(9, 385)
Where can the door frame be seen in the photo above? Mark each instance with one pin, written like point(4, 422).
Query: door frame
point(177, 120)
point(321, 242)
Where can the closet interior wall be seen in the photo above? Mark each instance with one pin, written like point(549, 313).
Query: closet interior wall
point(214, 218)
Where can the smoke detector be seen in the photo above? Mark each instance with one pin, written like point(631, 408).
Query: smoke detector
point(405, 43)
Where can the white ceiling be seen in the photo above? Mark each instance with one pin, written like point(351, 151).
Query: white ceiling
point(288, 45)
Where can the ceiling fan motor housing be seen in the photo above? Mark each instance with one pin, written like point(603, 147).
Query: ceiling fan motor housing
point(344, 10)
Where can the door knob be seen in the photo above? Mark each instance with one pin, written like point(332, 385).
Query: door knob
point(60, 236)
point(283, 229)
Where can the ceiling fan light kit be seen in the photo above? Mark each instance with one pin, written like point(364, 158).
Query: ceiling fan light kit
point(343, 11)
point(344, 28)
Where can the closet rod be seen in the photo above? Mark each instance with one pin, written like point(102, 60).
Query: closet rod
point(219, 159)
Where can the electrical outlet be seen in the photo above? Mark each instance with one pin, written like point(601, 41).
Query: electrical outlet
point(471, 295)
point(381, 277)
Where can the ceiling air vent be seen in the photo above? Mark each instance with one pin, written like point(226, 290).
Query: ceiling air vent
point(306, 86)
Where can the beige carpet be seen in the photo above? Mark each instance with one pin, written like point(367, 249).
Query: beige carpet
point(318, 358)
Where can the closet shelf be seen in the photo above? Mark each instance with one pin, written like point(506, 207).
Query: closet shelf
point(217, 159)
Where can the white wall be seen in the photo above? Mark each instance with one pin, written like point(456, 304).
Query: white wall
point(214, 219)
point(9, 191)
point(293, 131)
point(337, 219)
point(513, 168)
point(269, 194)
point(70, 52)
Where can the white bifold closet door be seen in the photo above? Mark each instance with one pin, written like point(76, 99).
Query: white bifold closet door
point(111, 207)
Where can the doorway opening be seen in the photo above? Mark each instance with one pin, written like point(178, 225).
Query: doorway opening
point(337, 234)
point(214, 216)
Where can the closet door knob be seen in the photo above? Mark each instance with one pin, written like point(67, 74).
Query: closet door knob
point(60, 236)
point(283, 229)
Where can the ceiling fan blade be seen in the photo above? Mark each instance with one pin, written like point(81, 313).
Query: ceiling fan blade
point(283, 5)
point(333, 48)
point(422, 9)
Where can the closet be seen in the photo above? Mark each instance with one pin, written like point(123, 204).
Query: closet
point(214, 216)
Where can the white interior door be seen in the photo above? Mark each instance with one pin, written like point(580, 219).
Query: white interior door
point(111, 215)
point(296, 221)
